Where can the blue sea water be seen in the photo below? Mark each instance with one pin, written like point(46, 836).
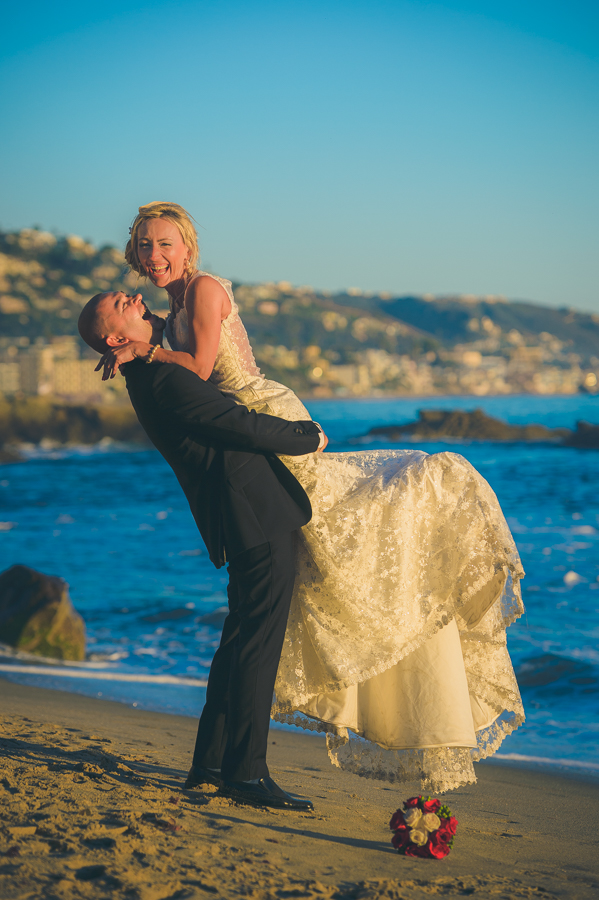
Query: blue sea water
point(114, 524)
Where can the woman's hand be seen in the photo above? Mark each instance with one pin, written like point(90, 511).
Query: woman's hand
point(116, 357)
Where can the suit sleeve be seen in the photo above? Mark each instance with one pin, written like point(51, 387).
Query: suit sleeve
point(206, 415)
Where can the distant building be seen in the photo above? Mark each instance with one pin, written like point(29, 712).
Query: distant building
point(55, 369)
point(9, 378)
point(76, 378)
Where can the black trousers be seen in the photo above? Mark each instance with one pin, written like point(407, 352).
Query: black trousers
point(233, 729)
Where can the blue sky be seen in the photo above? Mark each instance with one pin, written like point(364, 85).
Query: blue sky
point(404, 147)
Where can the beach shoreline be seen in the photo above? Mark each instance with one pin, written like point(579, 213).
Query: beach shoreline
point(92, 805)
point(32, 675)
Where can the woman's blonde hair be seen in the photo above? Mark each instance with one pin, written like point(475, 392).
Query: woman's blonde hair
point(161, 209)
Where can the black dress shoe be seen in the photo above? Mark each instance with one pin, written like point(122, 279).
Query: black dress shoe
point(264, 793)
point(199, 775)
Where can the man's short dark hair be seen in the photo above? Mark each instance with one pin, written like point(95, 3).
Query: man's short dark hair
point(91, 325)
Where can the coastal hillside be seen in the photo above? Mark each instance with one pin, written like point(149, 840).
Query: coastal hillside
point(45, 280)
point(469, 319)
point(347, 344)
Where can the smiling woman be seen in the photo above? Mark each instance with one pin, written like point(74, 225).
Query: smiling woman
point(163, 246)
point(175, 231)
point(161, 251)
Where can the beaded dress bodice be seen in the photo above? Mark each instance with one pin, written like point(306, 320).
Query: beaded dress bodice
point(235, 371)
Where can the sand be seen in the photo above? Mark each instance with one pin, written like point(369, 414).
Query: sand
point(92, 806)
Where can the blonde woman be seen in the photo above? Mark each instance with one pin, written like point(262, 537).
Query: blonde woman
point(407, 575)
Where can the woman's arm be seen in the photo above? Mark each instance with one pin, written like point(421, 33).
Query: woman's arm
point(207, 304)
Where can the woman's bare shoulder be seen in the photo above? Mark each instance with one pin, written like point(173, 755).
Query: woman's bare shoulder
point(207, 291)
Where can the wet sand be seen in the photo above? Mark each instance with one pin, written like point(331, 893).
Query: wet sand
point(92, 806)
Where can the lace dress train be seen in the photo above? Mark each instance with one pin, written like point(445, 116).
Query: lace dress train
point(407, 578)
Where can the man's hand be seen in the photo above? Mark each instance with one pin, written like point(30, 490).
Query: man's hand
point(116, 357)
point(323, 441)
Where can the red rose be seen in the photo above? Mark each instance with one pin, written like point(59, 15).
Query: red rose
point(438, 846)
point(414, 850)
point(397, 820)
point(449, 826)
point(413, 801)
point(401, 839)
point(432, 806)
point(442, 837)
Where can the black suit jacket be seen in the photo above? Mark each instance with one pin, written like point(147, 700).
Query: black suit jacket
point(223, 455)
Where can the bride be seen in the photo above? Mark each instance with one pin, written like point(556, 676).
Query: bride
point(407, 574)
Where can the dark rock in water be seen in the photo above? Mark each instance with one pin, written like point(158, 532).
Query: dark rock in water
point(169, 615)
point(434, 424)
point(586, 436)
point(36, 615)
point(571, 674)
point(216, 618)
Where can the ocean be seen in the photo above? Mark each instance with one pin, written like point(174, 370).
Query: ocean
point(112, 522)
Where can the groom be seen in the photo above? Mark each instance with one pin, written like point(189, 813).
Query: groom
point(248, 507)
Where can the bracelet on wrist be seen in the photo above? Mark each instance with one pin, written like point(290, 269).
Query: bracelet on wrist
point(152, 353)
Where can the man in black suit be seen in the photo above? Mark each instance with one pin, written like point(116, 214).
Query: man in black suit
point(248, 507)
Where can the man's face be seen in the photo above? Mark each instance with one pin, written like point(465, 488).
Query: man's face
point(126, 317)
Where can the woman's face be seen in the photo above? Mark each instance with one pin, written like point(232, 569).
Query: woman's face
point(161, 251)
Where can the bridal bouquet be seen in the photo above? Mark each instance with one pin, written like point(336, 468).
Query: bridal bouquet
point(423, 828)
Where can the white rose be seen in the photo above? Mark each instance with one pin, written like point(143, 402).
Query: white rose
point(419, 837)
point(431, 821)
point(412, 816)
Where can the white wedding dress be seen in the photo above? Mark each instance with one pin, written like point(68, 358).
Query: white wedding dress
point(407, 577)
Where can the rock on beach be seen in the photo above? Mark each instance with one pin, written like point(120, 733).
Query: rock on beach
point(37, 615)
